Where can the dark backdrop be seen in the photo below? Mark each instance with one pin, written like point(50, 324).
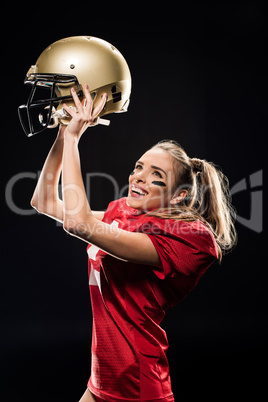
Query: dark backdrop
point(198, 77)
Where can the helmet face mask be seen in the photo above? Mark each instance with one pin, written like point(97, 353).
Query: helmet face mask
point(72, 63)
point(37, 114)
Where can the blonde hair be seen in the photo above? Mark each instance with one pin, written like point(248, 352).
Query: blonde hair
point(208, 197)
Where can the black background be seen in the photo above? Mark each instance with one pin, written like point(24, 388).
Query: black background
point(198, 77)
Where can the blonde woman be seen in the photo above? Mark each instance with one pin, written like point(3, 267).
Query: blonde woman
point(146, 252)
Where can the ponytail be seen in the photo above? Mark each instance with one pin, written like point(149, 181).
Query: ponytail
point(208, 197)
point(213, 202)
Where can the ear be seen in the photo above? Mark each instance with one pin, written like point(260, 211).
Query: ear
point(178, 198)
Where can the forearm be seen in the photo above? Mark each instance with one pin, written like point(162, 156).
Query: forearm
point(76, 209)
point(127, 246)
point(45, 198)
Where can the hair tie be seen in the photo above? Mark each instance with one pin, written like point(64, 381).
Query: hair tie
point(197, 165)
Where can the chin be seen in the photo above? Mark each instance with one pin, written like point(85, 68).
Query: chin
point(135, 203)
point(142, 204)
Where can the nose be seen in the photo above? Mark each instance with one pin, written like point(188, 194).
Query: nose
point(140, 177)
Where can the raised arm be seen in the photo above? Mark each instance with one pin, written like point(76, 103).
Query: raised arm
point(46, 198)
point(79, 220)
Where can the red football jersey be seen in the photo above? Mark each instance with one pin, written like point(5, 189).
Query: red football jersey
point(129, 302)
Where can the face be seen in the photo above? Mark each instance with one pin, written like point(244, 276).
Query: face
point(152, 181)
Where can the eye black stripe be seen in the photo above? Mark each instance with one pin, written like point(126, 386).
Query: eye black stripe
point(159, 183)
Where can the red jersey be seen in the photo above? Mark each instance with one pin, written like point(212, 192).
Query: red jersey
point(129, 302)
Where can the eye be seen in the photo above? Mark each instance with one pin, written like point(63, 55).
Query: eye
point(138, 167)
point(158, 174)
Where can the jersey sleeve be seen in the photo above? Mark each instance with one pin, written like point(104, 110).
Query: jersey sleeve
point(185, 248)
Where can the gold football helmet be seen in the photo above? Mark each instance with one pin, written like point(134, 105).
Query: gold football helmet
point(74, 62)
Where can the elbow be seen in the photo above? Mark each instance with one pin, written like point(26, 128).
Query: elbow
point(71, 226)
point(68, 227)
point(34, 204)
point(76, 227)
point(39, 206)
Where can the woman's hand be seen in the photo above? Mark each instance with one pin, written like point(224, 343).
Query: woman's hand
point(85, 115)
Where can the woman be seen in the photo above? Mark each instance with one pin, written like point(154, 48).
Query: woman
point(146, 252)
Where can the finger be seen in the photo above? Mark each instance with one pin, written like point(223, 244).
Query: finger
point(71, 112)
point(89, 100)
point(100, 106)
point(77, 102)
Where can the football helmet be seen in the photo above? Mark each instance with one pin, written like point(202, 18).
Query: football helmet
point(74, 62)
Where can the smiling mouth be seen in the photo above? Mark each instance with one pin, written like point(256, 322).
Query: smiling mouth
point(138, 192)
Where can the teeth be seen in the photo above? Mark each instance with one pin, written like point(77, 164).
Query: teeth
point(138, 190)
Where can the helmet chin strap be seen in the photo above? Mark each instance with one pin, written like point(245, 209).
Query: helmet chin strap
point(59, 114)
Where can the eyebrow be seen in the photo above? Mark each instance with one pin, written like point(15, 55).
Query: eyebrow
point(154, 167)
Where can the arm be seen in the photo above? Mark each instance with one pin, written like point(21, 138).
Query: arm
point(78, 217)
point(45, 198)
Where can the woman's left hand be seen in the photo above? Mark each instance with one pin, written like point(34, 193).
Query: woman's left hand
point(84, 115)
